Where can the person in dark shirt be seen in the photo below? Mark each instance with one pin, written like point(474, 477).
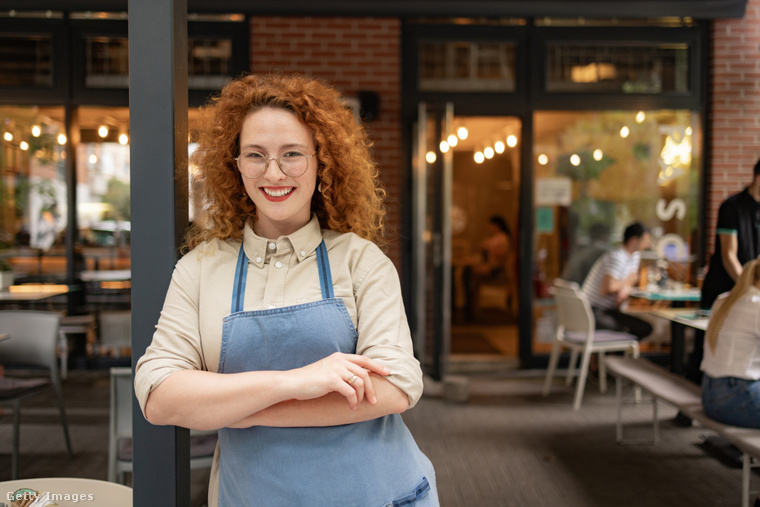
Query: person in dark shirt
point(737, 240)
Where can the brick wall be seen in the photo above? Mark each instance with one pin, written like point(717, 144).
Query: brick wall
point(735, 109)
point(354, 54)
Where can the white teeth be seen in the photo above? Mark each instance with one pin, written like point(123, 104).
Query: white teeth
point(277, 193)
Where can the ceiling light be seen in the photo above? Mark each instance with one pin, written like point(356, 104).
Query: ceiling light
point(103, 131)
point(444, 147)
point(575, 159)
point(124, 139)
point(452, 140)
point(624, 132)
point(512, 141)
point(430, 157)
point(61, 139)
point(462, 133)
point(8, 136)
point(36, 130)
point(488, 152)
point(543, 159)
point(479, 157)
point(598, 155)
point(640, 116)
point(23, 145)
point(499, 147)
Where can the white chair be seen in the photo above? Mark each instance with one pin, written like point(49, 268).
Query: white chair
point(33, 343)
point(576, 332)
point(202, 443)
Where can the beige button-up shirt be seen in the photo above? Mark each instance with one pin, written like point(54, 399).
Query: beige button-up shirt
point(281, 272)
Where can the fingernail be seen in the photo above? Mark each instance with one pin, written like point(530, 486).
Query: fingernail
point(374, 400)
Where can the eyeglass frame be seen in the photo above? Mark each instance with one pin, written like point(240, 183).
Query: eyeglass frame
point(276, 159)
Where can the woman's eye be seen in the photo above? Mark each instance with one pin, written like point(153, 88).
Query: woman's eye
point(253, 155)
point(291, 154)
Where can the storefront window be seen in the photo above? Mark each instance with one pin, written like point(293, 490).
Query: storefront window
point(33, 197)
point(26, 61)
point(597, 172)
point(617, 67)
point(466, 66)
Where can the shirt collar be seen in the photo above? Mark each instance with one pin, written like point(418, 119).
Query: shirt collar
point(303, 242)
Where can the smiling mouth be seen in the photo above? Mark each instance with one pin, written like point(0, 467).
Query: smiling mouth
point(280, 192)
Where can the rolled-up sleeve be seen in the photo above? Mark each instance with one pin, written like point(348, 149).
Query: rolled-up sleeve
point(176, 343)
point(382, 326)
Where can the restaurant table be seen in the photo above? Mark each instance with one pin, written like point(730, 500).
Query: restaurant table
point(113, 275)
point(69, 492)
point(680, 318)
point(32, 292)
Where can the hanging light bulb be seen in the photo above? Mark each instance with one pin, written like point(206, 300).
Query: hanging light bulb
point(543, 159)
point(598, 155)
point(452, 140)
point(488, 152)
point(430, 157)
point(124, 139)
point(499, 147)
point(8, 136)
point(688, 131)
point(479, 157)
point(575, 159)
point(640, 116)
point(93, 159)
point(512, 141)
point(624, 132)
point(23, 145)
point(462, 133)
point(36, 130)
point(444, 147)
point(61, 139)
point(103, 131)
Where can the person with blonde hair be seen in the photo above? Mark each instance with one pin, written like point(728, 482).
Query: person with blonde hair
point(731, 364)
point(284, 327)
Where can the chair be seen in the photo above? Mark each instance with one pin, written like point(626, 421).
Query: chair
point(33, 343)
point(202, 443)
point(576, 331)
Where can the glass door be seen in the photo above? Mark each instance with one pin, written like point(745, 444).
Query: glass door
point(431, 245)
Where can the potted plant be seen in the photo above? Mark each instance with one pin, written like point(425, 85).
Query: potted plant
point(6, 274)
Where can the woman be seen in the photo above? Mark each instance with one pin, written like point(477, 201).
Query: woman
point(284, 326)
point(731, 384)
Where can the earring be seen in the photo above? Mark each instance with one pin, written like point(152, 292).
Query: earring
point(320, 188)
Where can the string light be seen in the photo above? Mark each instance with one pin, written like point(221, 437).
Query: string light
point(640, 116)
point(499, 147)
point(123, 139)
point(23, 145)
point(479, 157)
point(543, 159)
point(624, 132)
point(61, 139)
point(462, 133)
point(512, 141)
point(488, 152)
point(452, 140)
point(575, 159)
point(36, 130)
point(430, 157)
point(444, 147)
point(8, 136)
point(103, 131)
point(598, 155)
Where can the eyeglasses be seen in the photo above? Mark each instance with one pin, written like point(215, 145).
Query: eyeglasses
point(253, 164)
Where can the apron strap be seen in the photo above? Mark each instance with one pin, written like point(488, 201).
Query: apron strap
point(325, 277)
point(241, 275)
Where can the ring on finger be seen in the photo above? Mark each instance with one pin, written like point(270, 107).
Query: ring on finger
point(352, 379)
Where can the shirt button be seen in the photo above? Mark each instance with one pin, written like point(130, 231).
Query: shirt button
point(272, 307)
point(272, 246)
point(303, 253)
point(258, 259)
point(278, 264)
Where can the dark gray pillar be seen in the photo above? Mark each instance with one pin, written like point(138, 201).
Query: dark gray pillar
point(158, 161)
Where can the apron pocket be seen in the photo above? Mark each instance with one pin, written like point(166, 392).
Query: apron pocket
point(420, 492)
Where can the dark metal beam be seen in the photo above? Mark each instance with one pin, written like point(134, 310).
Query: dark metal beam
point(700, 9)
point(158, 161)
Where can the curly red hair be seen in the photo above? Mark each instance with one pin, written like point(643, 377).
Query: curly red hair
point(351, 199)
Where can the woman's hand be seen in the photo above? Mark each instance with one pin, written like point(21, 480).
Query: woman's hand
point(346, 374)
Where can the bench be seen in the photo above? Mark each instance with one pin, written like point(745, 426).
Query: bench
point(675, 390)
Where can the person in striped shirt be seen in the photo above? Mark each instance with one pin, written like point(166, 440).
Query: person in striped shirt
point(611, 280)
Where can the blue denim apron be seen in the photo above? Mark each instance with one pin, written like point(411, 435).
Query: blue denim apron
point(374, 463)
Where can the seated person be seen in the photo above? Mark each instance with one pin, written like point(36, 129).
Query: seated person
point(493, 262)
point(611, 280)
point(731, 363)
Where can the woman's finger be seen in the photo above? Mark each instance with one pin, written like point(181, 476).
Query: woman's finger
point(367, 363)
